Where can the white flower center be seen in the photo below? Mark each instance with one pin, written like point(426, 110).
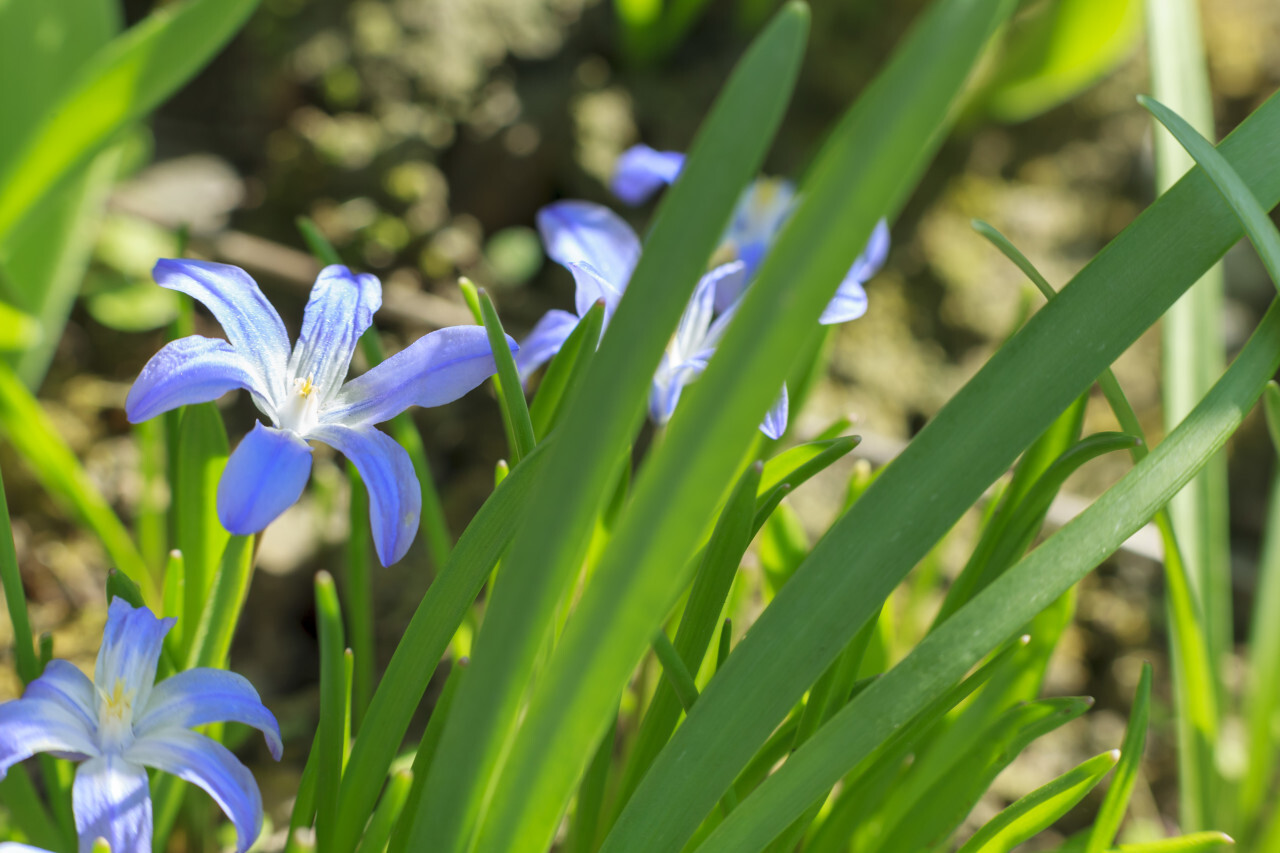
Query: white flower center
point(300, 411)
point(115, 717)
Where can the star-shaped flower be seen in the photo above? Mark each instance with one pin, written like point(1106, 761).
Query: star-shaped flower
point(761, 212)
point(123, 721)
point(303, 393)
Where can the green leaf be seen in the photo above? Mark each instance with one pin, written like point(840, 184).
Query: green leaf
point(701, 615)
point(1058, 50)
point(17, 330)
point(1003, 607)
point(119, 85)
point(927, 488)
point(408, 673)
point(1193, 356)
point(863, 172)
point(331, 736)
point(30, 432)
point(950, 792)
point(201, 455)
point(45, 45)
point(1193, 843)
point(507, 380)
point(1038, 810)
point(15, 599)
point(593, 436)
point(565, 372)
point(1105, 826)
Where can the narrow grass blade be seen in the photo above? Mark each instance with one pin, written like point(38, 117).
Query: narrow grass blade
point(330, 732)
point(591, 796)
point(677, 675)
point(1196, 842)
point(795, 465)
point(711, 585)
point(405, 680)
point(1193, 357)
point(929, 486)
point(593, 436)
point(510, 391)
point(1007, 604)
point(15, 599)
point(27, 811)
point(31, 433)
point(1038, 810)
point(1116, 802)
point(221, 614)
point(426, 753)
point(388, 812)
point(121, 83)
point(565, 371)
point(359, 594)
point(201, 455)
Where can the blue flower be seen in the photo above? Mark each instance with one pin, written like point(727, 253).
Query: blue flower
point(303, 394)
point(123, 721)
point(760, 214)
point(694, 343)
point(601, 251)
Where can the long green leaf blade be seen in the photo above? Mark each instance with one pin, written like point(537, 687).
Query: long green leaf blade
point(121, 84)
point(593, 437)
point(930, 485)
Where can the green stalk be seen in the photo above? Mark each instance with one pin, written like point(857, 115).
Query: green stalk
point(359, 590)
point(330, 740)
point(15, 597)
point(1193, 359)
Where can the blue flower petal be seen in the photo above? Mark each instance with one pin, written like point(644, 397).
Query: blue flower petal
point(196, 759)
point(592, 288)
point(694, 335)
point(395, 495)
point(131, 646)
point(195, 697)
point(252, 325)
point(264, 477)
point(339, 311)
point(850, 301)
point(873, 254)
point(775, 420)
point(641, 171)
point(580, 231)
point(759, 216)
point(731, 283)
point(111, 800)
point(435, 369)
point(668, 385)
point(28, 726)
point(544, 341)
point(63, 684)
point(192, 370)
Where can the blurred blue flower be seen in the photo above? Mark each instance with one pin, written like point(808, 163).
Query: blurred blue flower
point(303, 393)
point(601, 251)
point(694, 343)
point(123, 721)
point(759, 215)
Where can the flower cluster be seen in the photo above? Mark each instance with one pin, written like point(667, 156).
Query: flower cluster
point(601, 252)
point(303, 393)
point(123, 721)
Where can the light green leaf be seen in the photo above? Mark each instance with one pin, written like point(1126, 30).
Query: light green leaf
point(1038, 810)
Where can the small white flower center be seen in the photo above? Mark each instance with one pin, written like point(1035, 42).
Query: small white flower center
point(300, 411)
point(115, 717)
